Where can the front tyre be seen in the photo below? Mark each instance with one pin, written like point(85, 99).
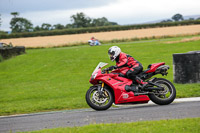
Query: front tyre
point(97, 102)
point(163, 97)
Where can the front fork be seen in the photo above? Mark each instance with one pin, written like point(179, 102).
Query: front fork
point(100, 90)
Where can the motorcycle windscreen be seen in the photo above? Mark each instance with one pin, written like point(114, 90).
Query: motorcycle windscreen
point(100, 65)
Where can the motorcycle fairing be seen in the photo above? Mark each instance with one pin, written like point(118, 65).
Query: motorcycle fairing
point(118, 85)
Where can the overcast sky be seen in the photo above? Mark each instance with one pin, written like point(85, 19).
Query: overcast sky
point(121, 11)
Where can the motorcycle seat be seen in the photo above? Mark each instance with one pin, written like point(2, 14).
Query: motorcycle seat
point(148, 68)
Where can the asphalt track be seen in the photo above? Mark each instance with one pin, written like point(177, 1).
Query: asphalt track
point(180, 108)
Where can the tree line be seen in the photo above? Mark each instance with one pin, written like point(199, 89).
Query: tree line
point(81, 24)
point(177, 17)
point(79, 20)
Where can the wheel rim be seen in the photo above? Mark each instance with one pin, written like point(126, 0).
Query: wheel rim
point(166, 93)
point(100, 101)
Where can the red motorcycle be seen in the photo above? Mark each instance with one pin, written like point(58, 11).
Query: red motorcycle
point(110, 87)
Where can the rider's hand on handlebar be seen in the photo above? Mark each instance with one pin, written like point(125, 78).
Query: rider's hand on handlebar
point(109, 69)
point(104, 70)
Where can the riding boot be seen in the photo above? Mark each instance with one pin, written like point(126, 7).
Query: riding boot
point(141, 82)
point(132, 87)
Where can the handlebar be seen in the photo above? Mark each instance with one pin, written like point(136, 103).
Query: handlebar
point(105, 71)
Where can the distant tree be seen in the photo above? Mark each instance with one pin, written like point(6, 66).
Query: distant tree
point(102, 22)
point(58, 26)
point(177, 17)
point(19, 24)
point(113, 23)
point(80, 20)
point(37, 28)
point(15, 14)
point(46, 26)
point(69, 26)
point(168, 20)
point(198, 19)
point(191, 19)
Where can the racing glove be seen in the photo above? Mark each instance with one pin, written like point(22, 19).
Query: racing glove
point(109, 68)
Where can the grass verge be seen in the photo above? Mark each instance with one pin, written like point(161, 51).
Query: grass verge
point(58, 78)
point(190, 125)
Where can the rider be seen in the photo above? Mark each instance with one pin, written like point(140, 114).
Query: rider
point(127, 65)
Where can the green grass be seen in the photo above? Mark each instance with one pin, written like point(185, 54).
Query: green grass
point(191, 125)
point(58, 78)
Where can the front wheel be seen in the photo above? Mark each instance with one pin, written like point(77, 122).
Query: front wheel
point(166, 96)
point(97, 102)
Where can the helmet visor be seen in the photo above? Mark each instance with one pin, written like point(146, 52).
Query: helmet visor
point(111, 56)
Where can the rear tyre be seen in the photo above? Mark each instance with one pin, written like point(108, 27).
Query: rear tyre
point(163, 97)
point(96, 102)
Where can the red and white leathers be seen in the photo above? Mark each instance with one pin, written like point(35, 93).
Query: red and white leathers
point(129, 66)
point(125, 62)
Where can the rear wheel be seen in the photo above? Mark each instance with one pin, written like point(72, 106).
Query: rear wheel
point(166, 96)
point(97, 102)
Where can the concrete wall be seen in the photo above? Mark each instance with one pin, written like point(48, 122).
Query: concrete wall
point(186, 67)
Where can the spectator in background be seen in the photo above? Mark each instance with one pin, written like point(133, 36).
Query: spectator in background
point(94, 42)
point(93, 39)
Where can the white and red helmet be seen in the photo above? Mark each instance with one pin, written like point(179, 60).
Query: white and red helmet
point(113, 52)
